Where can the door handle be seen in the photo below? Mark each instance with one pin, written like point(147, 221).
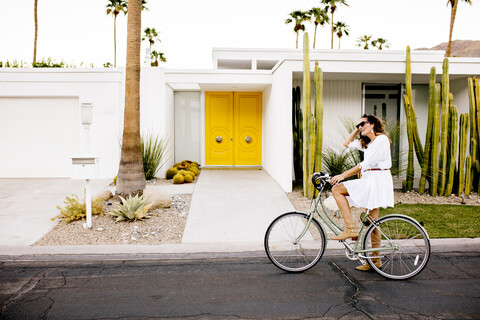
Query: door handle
point(248, 139)
point(219, 139)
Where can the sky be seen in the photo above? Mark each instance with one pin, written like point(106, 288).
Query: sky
point(80, 31)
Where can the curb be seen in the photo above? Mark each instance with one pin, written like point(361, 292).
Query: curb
point(187, 251)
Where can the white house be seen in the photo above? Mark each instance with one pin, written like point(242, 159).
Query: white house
point(236, 114)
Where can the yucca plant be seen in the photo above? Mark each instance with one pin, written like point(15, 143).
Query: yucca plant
point(131, 209)
point(154, 151)
point(336, 163)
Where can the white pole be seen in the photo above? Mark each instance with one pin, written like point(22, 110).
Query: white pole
point(88, 202)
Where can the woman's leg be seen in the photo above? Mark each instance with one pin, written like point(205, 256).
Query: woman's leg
point(376, 235)
point(376, 239)
point(339, 193)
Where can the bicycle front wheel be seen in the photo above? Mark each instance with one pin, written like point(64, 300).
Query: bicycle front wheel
point(289, 252)
point(404, 248)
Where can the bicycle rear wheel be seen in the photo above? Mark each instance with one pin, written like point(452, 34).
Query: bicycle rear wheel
point(283, 249)
point(404, 243)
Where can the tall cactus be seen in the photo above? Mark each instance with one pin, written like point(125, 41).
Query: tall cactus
point(410, 169)
point(318, 79)
point(469, 167)
point(453, 149)
point(444, 134)
point(435, 137)
point(472, 109)
point(464, 119)
point(426, 167)
point(410, 112)
point(468, 176)
point(306, 114)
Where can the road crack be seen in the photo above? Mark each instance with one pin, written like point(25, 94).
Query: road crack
point(357, 291)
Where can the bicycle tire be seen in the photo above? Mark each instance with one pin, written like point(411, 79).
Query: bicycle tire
point(280, 242)
point(411, 247)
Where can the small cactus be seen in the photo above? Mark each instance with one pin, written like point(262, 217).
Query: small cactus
point(188, 178)
point(178, 179)
point(171, 173)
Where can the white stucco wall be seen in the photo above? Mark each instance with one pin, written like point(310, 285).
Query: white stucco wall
point(277, 127)
point(101, 87)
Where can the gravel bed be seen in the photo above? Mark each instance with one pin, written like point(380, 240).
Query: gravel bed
point(162, 226)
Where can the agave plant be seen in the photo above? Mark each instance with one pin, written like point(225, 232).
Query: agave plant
point(132, 208)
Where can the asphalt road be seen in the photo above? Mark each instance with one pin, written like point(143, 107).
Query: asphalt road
point(235, 288)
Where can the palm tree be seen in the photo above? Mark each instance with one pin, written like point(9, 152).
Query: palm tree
point(333, 6)
point(453, 4)
point(340, 28)
point(381, 43)
point(158, 56)
point(131, 176)
point(115, 7)
point(36, 32)
point(320, 17)
point(152, 36)
point(364, 41)
point(300, 17)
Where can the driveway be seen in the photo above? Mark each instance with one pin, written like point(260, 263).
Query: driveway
point(27, 206)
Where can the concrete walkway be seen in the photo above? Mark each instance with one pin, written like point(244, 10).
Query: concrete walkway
point(234, 206)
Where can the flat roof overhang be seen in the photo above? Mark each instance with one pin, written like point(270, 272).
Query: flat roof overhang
point(218, 80)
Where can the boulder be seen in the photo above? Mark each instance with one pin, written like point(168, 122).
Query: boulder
point(105, 195)
point(158, 198)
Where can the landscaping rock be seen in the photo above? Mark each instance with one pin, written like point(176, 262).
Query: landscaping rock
point(158, 198)
point(105, 195)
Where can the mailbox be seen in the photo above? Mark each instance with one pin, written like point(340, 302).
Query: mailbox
point(84, 167)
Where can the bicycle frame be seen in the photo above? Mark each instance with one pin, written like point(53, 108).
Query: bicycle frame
point(327, 219)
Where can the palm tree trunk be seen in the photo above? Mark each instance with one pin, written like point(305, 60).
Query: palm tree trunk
point(339, 42)
point(297, 41)
point(331, 41)
point(452, 21)
point(115, 40)
point(314, 36)
point(131, 177)
point(36, 32)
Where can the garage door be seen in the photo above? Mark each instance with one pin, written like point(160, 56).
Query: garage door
point(38, 136)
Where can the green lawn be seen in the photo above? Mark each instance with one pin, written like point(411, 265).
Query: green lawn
point(442, 221)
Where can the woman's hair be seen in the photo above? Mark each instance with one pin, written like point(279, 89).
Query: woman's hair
point(378, 128)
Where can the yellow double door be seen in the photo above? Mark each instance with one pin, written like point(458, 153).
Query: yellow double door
point(233, 128)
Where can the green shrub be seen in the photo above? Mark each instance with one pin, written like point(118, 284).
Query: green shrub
point(75, 210)
point(178, 179)
point(154, 151)
point(132, 208)
point(171, 173)
point(192, 174)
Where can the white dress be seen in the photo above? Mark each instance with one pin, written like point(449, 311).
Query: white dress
point(375, 188)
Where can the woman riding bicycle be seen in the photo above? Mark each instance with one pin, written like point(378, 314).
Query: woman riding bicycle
point(375, 187)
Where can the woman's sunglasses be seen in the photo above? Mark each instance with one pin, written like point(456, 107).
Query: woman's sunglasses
point(361, 124)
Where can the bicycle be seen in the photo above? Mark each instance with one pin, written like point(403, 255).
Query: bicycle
point(296, 241)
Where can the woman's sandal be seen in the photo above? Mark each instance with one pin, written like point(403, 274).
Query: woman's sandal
point(350, 231)
point(366, 267)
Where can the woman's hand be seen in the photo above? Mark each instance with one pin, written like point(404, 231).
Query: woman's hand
point(336, 179)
